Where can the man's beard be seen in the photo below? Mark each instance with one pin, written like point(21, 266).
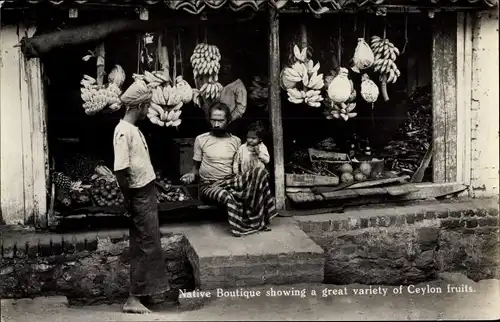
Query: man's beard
point(218, 131)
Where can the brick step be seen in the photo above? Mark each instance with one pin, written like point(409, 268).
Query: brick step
point(308, 270)
point(285, 255)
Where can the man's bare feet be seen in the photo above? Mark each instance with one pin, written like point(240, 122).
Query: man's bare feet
point(134, 305)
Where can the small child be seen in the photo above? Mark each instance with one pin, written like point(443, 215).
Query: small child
point(253, 153)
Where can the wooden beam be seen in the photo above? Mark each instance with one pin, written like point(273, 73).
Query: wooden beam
point(444, 97)
point(275, 108)
point(11, 125)
point(39, 145)
point(464, 93)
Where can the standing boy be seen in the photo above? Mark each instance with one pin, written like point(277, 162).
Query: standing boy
point(135, 176)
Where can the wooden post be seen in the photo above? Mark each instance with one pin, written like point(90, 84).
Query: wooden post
point(444, 97)
point(275, 108)
point(101, 57)
point(39, 144)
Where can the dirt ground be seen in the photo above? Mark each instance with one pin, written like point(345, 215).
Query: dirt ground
point(460, 298)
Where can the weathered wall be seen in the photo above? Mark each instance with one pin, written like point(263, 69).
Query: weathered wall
point(22, 132)
point(485, 105)
point(410, 244)
point(82, 267)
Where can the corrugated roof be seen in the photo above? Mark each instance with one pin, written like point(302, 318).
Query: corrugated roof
point(318, 6)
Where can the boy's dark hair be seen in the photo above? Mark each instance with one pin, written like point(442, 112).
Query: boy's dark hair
point(258, 128)
point(218, 106)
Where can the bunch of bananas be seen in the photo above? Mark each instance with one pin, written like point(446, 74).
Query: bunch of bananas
point(205, 60)
point(166, 104)
point(302, 81)
point(117, 76)
point(96, 97)
point(167, 96)
point(385, 56)
point(311, 97)
point(157, 115)
point(342, 110)
point(211, 90)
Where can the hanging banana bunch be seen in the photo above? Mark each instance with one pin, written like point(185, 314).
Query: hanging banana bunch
point(385, 62)
point(302, 81)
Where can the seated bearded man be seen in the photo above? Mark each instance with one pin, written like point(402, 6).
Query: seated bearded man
point(247, 197)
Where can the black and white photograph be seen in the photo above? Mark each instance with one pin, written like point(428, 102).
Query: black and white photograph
point(249, 160)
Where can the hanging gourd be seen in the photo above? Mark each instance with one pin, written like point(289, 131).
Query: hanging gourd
point(340, 88)
point(369, 90)
point(363, 56)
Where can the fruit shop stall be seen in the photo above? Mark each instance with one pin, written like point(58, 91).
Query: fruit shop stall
point(178, 64)
point(364, 109)
point(450, 36)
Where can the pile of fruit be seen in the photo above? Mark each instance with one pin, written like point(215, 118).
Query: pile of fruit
point(97, 97)
point(173, 194)
point(167, 98)
point(69, 192)
point(166, 192)
point(205, 61)
point(302, 81)
point(385, 57)
point(348, 174)
point(106, 193)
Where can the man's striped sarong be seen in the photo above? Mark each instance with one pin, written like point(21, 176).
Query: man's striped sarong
point(247, 198)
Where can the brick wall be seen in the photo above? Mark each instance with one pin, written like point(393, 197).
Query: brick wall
point(408, 244)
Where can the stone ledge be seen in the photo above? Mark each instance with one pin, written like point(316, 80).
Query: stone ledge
point(471, 213)
point(34, 245)
point(89, 276)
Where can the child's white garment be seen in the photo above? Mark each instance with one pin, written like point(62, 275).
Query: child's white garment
point(246, 160)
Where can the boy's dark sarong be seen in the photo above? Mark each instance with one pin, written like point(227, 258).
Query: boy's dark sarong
point(248, 199)
point(148, 273)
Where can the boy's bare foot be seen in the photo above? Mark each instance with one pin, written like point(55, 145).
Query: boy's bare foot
point(134, 305)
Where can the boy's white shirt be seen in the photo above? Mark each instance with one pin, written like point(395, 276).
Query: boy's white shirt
point(245, 160)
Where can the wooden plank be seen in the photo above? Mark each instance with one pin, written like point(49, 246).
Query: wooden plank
point(401, 190)
point(464, 85)
point(39, 145)
point(430, 191)
point(340, 195)
point(26, 121)
point(374, 183)
point(101, 58)
point(303, 197)
point(297, 189)
point(309, 180)
point(275, 108)
point(371, 191)
point(11, 153)
point(444, 82)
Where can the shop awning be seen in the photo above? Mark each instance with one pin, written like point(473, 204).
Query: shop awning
point(317, 6)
